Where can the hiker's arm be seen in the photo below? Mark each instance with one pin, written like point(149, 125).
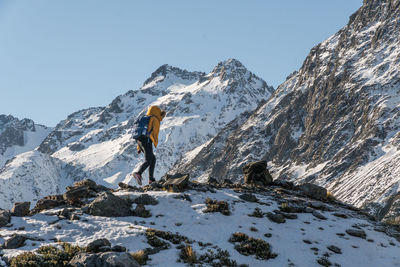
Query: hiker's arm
point(154, 131)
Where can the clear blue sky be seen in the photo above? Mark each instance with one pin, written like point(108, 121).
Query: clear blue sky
point(57, 57)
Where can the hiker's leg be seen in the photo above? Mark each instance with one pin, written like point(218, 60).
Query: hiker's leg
point(146, 146)
point(151, 169)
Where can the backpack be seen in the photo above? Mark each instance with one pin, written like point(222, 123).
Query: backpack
point(140, 127)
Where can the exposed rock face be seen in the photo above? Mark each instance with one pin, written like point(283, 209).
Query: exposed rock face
point(337, 119)
point(109, 205)
point(13, 133)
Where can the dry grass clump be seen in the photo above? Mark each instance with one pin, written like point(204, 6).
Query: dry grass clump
point(251, 246)
point(140, 256)
point(46, 256)
point(257, 213)
point(217, 206)
point(330, 196)
point(188, 255)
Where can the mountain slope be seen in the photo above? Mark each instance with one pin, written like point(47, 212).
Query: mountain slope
point(96, 142)
point(310, 232)
point(19, 136)
point(335, 122)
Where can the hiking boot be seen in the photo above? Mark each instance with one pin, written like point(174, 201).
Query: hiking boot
point(152, 180)
point(138, 177)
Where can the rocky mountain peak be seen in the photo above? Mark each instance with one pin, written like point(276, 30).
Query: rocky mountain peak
point(229, 69)
point(165, 70)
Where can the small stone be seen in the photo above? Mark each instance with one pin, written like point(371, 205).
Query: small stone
point(318, 215)
point(268, 235)
point(335, 249)
point(307, 241)
point(340, 215)
point(357, 233)
point(248, 197)
point(278, 218)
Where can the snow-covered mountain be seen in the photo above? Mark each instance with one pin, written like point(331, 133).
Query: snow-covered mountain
point(96, 142)
point(335, 122)
point(19, 136)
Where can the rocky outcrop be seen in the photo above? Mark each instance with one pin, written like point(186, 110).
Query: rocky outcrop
point(109, 205)
point(106, 259)
point(20, 209)
point(257, 173)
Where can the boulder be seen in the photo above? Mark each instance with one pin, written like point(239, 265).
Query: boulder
point(87, 182)
point(45, 204)
point(105, 259)
point(256, 173)
point(313, 190)
point(109, 205)
point(141, 211)
point(248, 197)
point(5, 217)
point(357, 233)
point(20, 209)
point(15, 241)
point(177, 183)
point(74, 195)
point(278, 218)
point(95, 245)
point(145, 199)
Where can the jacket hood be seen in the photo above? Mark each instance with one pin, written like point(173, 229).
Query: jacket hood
point(155, 111)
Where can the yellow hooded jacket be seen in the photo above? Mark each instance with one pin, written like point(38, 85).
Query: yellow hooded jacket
point(154, 124)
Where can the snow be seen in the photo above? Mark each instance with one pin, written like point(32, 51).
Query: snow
point(286, 240)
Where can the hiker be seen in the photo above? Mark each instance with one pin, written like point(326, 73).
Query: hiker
point(144, 142)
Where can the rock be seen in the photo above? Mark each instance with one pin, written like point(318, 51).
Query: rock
point(257, 173)
point(5, 217)
point(318, 215)
point(95, 245)
point(212, 180)
point(357, 232)
point(145, 199)
point(312, 190)
point(228, 182)
point(104, 249)
point(340, 215)
point(248, 197)
point(15, 241)
point(45, 204)
point(127, 187)
point(141, 211)
point(86, 182)
point(278, 218)
point(118, 248)
point(290, 216)
point(283, 184)
point(77, 193)
point(177, 184)
point(20, 209)
point(109, 205)
point(105, 259)
point(335, 249)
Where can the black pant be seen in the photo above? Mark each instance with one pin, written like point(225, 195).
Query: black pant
point(146, 146)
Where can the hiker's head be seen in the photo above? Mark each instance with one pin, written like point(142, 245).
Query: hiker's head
point(156, 112)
